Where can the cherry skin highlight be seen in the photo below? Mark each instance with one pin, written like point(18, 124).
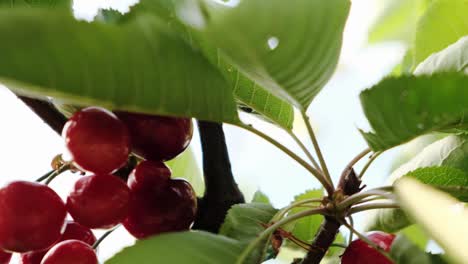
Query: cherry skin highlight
point(99, 201)
point(157, 137)
point(31, 216)
point(4, 257)
point(149, 176)
point(97, 140)
point(71, 252)
point(170, 210)
point(73, 230)
point(359, 252)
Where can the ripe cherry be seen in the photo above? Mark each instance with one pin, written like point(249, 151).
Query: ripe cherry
point(71, 252)
point(172, 209)
point(31, 216)
point(4, 257)
point(97, 140)
point(157, 137)
point(359, 252)
point(99, 201)
point(149, 176)
point(73, 230)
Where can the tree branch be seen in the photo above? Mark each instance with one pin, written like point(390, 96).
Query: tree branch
point(349, 185)
point(221, 190)
point(47, 112)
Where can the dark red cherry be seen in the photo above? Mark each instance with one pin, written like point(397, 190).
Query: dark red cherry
point(157, 137)
point(99, 201)
point(149, 176)
point(359, 252)
point(4, 257)
point(71, 252)
point(97, 140)
point(73, 230)
point(32, 216)
point(170, 210)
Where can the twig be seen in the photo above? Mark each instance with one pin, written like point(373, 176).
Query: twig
point(47, 112)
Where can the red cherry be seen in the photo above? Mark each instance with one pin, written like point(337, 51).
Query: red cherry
point(73, 230)
point(99, 201)
point(4, 257)
point(32, 216)
point(97, 140)
point(359, 252)
point(170, 210)
point(157, 137)
point(149, 176)
point(71, 252)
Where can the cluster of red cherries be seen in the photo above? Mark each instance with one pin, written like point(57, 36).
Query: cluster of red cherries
point(33, 217)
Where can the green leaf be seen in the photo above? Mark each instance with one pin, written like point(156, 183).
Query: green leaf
point(402, 108)
point(260, 197)
point(247, 92)
point(443, 24)
point(403, 251)
point(245, 221)
point(442, 216)
point(293, 48)
point(306, 228)
point(454, 58)
point(416, 235)
point(140, 66)
point(186, 247)
point(185, 166)
point(449, 153)
point(452, 181)
point(37, 3)
point(398, 21)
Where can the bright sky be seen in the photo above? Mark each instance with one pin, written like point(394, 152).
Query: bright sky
point(28, 145)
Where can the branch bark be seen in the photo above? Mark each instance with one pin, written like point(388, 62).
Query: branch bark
point(221, 190)
point(349, 184)
point(47, 112)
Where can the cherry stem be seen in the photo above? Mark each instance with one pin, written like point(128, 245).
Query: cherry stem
point(384, 192)
point(267, 232)
point(318, 151)
point(45, 176)
point(300, 203)
point(106, 234)
point(305, 150)
point(338, 245)
point(365, 239)
point(351, 221)
point(57, 172)
point(356, 159)
point(372, 206)
point(369, 162)
point(318, 175)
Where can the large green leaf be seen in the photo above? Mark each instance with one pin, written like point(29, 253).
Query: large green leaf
point(443, 24)
point(37, 3)
point(293, 48)
point(451, 155)
point(402, 108)
point(247, 92)
point(140, 66)
point(398, 20)
point(442, 216)
point(245, 221)
point(454, 58)
point(185, 166)
point(186, 247)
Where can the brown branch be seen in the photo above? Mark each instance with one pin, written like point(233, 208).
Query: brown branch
point(221, 190)
point(47, 112)
point(349, 185)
